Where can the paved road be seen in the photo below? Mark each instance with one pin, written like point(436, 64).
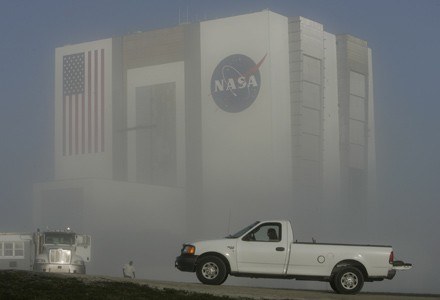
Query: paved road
point(266, 293)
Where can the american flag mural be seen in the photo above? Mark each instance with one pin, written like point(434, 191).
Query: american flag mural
point(83, 103)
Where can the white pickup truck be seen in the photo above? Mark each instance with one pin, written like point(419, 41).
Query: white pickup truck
point(267, 250)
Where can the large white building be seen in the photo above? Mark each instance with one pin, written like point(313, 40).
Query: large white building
point(190, 131)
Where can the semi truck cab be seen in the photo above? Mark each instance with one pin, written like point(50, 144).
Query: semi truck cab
point(62, 252)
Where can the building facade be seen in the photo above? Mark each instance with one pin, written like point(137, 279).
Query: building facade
point(195, 130)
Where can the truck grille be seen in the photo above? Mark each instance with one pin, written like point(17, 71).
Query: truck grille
point(59, 256)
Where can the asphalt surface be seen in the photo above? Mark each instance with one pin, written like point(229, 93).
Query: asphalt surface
point(264, 293)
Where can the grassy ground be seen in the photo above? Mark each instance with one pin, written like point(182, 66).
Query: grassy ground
point(32, 285)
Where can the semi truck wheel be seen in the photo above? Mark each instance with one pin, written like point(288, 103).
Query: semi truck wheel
point(211, 270)
point(348, 280)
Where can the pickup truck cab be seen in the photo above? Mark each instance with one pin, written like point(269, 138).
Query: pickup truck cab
point(267, 250)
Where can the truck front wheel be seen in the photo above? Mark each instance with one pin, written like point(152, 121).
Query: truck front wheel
point(348, 280)
point(211, 270)
point(333, 286)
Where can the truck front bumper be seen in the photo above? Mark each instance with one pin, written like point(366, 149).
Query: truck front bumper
point(60, 268)
point(186, 263)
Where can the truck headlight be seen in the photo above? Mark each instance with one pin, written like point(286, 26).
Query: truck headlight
point(189, 249)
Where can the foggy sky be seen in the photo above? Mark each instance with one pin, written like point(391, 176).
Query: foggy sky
point(403, 35)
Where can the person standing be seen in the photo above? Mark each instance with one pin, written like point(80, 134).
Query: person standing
point(129, 271)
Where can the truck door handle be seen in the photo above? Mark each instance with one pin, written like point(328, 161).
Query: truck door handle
point(280, 249)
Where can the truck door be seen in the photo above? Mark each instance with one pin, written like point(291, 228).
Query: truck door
point(263, 250)
point(83, 247)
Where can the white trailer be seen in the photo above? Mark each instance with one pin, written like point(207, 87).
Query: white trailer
point(17, 251)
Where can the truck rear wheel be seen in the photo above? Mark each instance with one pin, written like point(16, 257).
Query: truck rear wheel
point(348, 280)
point(211, 270)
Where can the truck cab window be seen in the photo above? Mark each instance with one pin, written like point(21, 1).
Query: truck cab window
point(267, 232)
point(60, 238)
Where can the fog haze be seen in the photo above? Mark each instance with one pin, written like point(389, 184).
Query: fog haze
point(404, 38)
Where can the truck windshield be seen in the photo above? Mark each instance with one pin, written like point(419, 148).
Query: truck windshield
point(241, 232)
point(59, 238)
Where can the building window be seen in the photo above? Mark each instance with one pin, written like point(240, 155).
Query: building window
point(18, 249)
point(8, 249)
point(11, 249)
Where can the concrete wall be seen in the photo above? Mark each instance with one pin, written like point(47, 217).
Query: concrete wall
point(331, 161)
point(356, 125)
point(246, 153)
point(126, 220)
point(83, 110)
point(307, 65)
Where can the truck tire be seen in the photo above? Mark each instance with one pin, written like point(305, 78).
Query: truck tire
point(211, 270)
point(333, 286)
point(348, 280)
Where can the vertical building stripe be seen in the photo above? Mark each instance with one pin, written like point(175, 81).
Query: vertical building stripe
point(83, 124)
point(64, 125)
point(102, 100)
point(76, 123)
point(95, 137)
point(70, 125)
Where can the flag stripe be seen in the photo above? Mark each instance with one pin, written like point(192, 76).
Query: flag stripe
point(64, 125)
point(76, 124)
point(70, 125)
point(96, 102)
point(102, 100)
point(83, 125)
point(89, 96)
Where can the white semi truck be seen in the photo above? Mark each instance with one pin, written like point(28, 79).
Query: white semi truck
point(49, 251)
point(267, 250)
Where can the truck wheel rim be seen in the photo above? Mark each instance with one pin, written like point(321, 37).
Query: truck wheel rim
point(210, 270)
point(349, 281)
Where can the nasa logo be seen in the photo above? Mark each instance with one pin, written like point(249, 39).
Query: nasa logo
point(235, 82)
